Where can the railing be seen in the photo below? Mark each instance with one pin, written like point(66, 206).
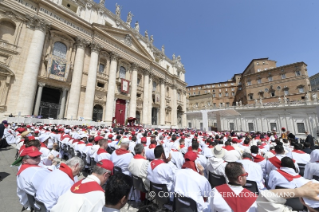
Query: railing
point(258, 105)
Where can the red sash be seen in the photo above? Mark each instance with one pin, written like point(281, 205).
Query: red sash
point(272, 151)
point(238, 203)
point(258, 158)
point(24, 167)
point(289, 177)
point(298, 151)
point(138, 156)
point(43, 145)
point(152, 146)
point(100, 151)
point(65, 136)
point(275, 161)
point(75, 140)
point(121, 151)
point(67, 170)
point(229, 148)
point(81, 142)
point(89, 144)
point(245, 144)
point(155, 163)
point(83, 188)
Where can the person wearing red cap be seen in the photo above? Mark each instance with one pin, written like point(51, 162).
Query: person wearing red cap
point(160, 170)
point(58, 182)
point(101, 153)
point(144, 141)
point(198, 187)
point(30, 175)
point(87, 195)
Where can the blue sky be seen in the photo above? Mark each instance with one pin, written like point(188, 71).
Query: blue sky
point(218, 38)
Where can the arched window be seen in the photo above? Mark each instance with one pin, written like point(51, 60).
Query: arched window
point(7, 29)
point(122, 72)
point(59, 50)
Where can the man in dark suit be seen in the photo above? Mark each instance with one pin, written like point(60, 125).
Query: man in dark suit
point(306, 148)
point(309, 139)
point(3, 142)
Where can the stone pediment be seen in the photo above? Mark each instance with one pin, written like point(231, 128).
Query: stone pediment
point(125, 37)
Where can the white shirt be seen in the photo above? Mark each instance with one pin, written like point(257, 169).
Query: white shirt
point(232, 156)
point(217, 166)
point(177, 159)
point(52, 187)
point(193, 185)
point(162, 174)
point(311, 169)
point(149, 153)
point(254, 171)
point(138, 167)
point(88, 202)
point(29, 181)
point(122, 161)
point(218, 204)
point(303, 158)
point(276, 179)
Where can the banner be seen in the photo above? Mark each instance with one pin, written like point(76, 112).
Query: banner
point(58, 68)
point(125, 85)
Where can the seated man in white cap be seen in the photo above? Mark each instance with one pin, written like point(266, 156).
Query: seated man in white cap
point(216, 164)
point(87, 195)
point(198, 188)
point(101, 153)
point(59, 181)
point(138, 165)
point(47, 155)
point(232, 196)
point(122, 156)
point(30, 175)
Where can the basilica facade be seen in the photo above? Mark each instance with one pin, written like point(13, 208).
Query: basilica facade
point(74, 60)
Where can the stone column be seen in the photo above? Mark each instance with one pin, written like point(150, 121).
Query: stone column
point(133, 91)
point(145, 97)
point(38, 99)
point(91, 82)
point(150, 100)
point(111, 90)
point(163, 103)
point(63, 100)
point(205, 120)
point(75, 91)
point(31, 67)
point(184, 118)
point(174, 107)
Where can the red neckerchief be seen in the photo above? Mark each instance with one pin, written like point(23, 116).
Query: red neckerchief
point(81, 142)
point(83, 188)
point(229, 148)
point(245, 144)
point(238, 203)
point(144, 144)
point(258, 158)
point(210, 146)
point(174, 150)
point(190, 165)
point(182, 146)
point(289, 177)
point(191, 149)
point(89, 144)
point(138, 156)
point(24, 167)
point(100, 151)
point(152, 146)
point(75, 140)
point(65, 136)
point(275, 161)
point(272, 151)
point(298, 151)
point(43, 145)
point(121, 151)
point(155, 163)
point(66, 169)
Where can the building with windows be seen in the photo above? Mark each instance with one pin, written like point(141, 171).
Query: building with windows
point(314, 82)
point(248, 100)
point(76, 59)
